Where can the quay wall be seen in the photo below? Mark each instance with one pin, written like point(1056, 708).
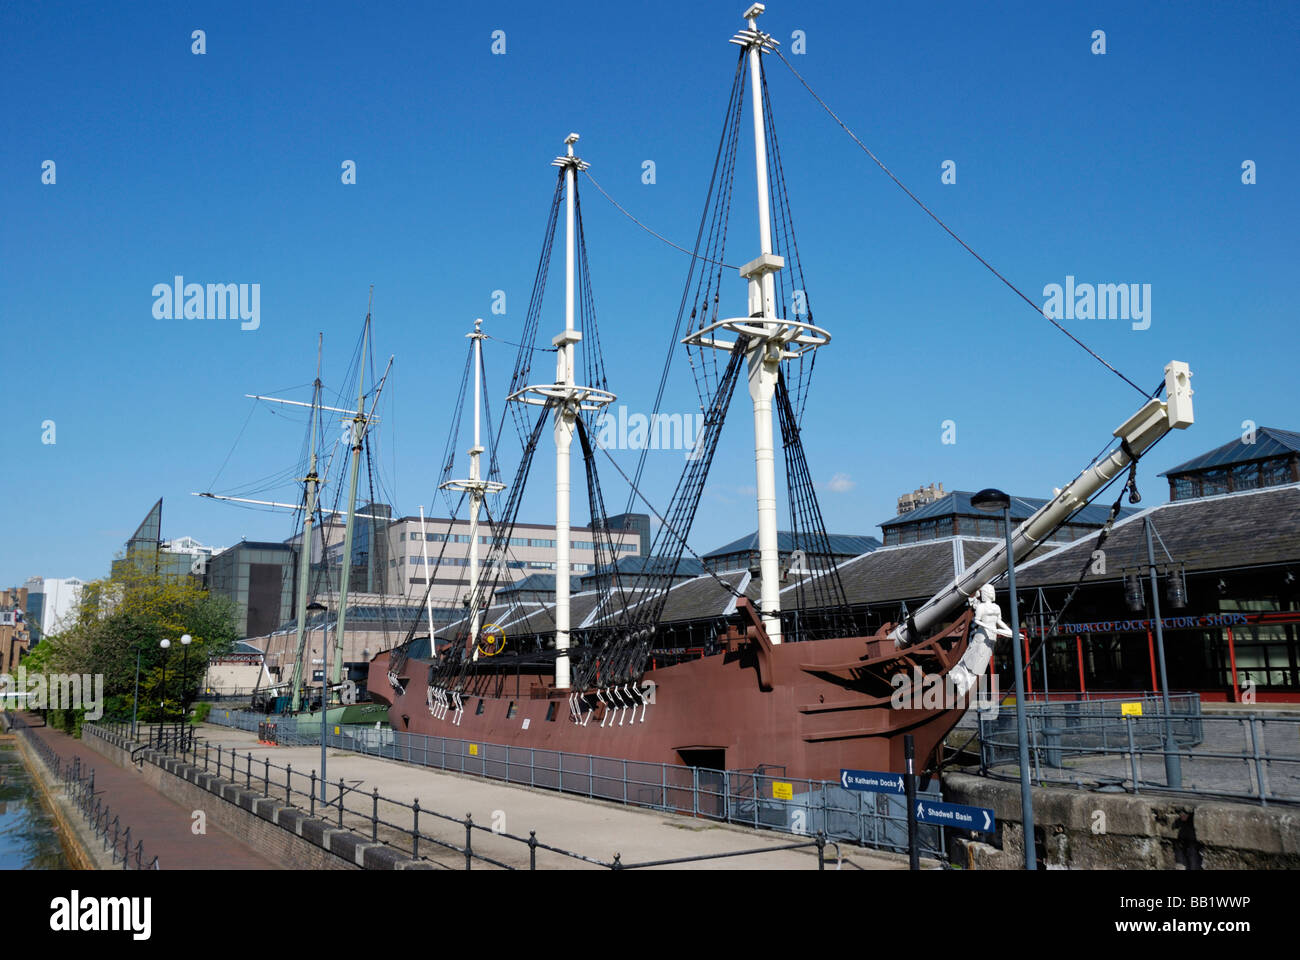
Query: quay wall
point(280, 832)
point(1078, 830)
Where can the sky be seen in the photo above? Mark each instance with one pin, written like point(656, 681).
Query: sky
point(227, 166)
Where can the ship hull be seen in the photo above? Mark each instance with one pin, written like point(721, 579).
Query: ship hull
point(811, 708)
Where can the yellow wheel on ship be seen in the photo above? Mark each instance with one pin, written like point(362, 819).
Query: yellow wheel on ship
point(492, 641)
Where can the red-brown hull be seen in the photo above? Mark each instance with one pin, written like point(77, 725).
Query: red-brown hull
point(817, 716)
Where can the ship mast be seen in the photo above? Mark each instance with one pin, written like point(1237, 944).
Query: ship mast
point(360, 424)
point(310, 482)
point(768, 339)
point(569, 400)
point(477, 488)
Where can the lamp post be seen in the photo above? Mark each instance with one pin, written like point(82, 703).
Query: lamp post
point(1173, 765)
point(992, 501)
point(166, 647)
point(186, 640)
point(316, 607)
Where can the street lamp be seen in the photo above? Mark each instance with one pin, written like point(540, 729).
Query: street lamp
point(318, 607)
point(992, 501)
point(1173, 765)
point(166, 647)
point(186, 640)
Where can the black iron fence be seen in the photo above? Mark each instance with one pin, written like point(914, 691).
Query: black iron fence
point(79, 783)
point(406, 827)
point(760, 799)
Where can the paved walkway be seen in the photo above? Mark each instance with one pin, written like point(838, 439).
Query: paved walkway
point(164, 826)
point(593, 828)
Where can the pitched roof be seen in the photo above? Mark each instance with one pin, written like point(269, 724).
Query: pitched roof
point(1269, 442)
point(958, 503)
point(1241, 529)
point(841, 544)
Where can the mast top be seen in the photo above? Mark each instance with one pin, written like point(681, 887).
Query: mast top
point(754, 36)
point(570, 159)
point(478, 333)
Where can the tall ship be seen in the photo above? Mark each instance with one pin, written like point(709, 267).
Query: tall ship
point(792, 679)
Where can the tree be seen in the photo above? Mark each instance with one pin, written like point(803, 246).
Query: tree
point(133, 609)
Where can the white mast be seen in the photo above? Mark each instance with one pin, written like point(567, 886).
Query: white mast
point(477, 488)
point(771, 339)
point(573, 400)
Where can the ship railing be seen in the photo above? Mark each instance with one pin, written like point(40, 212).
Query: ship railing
point(1142, 749)
point(78, 783)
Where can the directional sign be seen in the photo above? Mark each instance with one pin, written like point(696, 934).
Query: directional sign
point(956, 815)
point(873, 781)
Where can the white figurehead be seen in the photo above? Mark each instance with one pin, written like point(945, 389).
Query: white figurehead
point(985, 629)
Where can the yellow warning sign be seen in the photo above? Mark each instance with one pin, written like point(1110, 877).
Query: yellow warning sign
point(336, 731)
point(1130, 709)
point(783, 791)
point(473, 749)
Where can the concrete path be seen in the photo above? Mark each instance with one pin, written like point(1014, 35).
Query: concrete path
point(164, 826)
point(593, 828)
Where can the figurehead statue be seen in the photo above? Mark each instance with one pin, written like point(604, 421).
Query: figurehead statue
point(986, 627)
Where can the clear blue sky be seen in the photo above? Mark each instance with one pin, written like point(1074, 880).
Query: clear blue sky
point(225, 167)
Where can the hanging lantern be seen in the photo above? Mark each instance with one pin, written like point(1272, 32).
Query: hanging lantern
point(1133, 591)
point(1176, 589)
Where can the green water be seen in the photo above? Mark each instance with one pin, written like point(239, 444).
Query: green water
point(29, 839)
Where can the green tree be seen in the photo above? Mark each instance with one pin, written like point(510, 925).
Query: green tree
point(132, 610)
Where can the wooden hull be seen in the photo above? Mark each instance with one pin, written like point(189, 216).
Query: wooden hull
point(813, 708)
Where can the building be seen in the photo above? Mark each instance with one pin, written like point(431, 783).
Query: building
point(953, 516)
point(51, 602)
point(1260, 458)
point(437, 549)
point(743, 554)
point(15, 637)
point(1232, 632)
point(637, 522)
point(258, 576)
point(920, 497)
point(147, 550)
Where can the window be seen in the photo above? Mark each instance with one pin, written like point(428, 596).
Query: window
point(478, 711)
point(550, 711)
point(402, 535)
point(511, 711)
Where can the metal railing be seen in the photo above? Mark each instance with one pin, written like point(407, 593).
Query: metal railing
point(760, 799)
point(80, 789)
point(1097, 744)
point(371, 814)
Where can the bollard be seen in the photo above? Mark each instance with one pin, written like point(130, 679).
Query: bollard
point(374, 816)
point(288, 784)
point(532, 849)
point(218, 760)
point(313, 793)
point(248, 757)
point(266, 775)
point(618, 862)
point(415, 829)
point(821, 850)
point(1052, 746)
point(340, 801)
point(469, 840)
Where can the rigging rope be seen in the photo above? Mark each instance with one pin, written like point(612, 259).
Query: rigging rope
point(917, 200)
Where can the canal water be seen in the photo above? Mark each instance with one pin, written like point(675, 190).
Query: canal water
point(29, 839)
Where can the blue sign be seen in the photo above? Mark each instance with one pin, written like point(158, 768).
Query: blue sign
point(873, 781)
point(956, 815)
